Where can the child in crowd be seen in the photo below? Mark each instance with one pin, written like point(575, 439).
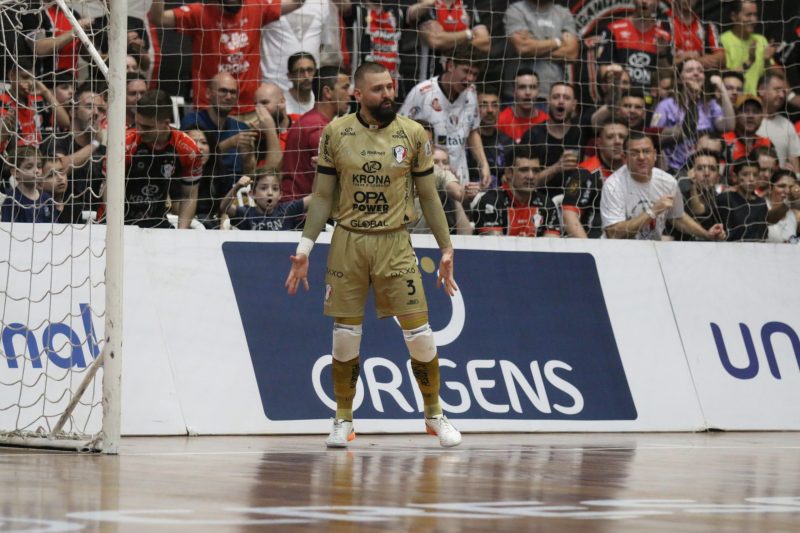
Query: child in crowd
point(26, 203)
point(66, 208)
point(268, 213)
point(743, 212)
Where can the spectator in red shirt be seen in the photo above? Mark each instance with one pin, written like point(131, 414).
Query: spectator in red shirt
point(332, 95)
point(225, 38)
point(517, 118)
point(638, 43)
point(692, 38)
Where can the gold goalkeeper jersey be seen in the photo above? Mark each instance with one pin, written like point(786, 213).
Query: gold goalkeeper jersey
point(375, 169)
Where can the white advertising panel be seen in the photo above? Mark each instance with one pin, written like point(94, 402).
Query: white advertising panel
point(738, 311)
point(545, 335)
point(52, 311)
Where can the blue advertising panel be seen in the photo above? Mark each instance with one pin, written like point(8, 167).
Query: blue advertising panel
point(528, 337)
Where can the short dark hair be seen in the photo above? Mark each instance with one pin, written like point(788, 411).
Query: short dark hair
point(265, 172)
point(768, 76)
point(488, 88)
point(711, 134)
point(326, 76)
point(634, 92)
point(565, 84)
point(17, 153)
point(464, 54)
point(23, 63)
point(526, 71)
point(703, 153)
point(781, 173)
point(134, 76)
point(156, 104)
point(608, 121)
point(735, 6)
point(367, 67)
point(522, 151)
point(742, 163)
point(87, 87)
point(637, 136)
point(61, 77)
point(297, 56)
point(758, 151)
point(732, 74)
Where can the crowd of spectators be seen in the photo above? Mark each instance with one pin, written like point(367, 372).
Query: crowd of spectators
point(660, 125)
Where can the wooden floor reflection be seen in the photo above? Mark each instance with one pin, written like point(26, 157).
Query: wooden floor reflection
point(535, 482)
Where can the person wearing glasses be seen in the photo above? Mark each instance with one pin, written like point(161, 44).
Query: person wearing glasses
point(300, 98)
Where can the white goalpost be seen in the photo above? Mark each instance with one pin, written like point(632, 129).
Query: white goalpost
point(61, 285)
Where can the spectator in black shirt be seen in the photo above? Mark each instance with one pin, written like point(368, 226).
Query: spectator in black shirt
point(495, 142)
point(743, 212)
point(698, 188)
point(558, 141)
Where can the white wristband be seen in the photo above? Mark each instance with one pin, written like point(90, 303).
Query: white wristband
point(558, 42)
point(469, 34)
point(304, 246)
point(95, 144)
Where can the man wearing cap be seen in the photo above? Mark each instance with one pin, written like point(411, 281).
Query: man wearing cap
point(749, 115)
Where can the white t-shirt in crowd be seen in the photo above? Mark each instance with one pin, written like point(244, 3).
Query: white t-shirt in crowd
point(452, 122)
point(780, 131)
point(302, 30)
point(624, 198)
point(785, 230)
point(293, 107)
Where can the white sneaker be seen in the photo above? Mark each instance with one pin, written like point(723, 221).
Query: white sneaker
point(441, 427)
point(341, 433)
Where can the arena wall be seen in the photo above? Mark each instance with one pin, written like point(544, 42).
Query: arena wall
point(545, 335)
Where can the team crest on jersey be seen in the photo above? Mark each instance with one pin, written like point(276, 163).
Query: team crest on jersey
point(400, 153)
point(436, 105)
point(454, 120)
point(573, 186)
point(167, 170)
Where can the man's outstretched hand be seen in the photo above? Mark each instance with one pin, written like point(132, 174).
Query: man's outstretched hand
point(298, 273)
point(446, 273)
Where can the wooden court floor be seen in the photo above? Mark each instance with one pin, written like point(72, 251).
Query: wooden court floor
point(534, 482)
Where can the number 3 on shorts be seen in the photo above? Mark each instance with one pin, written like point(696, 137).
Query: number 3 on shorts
point(411, 288)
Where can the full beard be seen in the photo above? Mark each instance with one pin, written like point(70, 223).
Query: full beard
point(382, 114)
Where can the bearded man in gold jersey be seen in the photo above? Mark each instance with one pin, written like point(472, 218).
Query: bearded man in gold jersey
point(370, 164)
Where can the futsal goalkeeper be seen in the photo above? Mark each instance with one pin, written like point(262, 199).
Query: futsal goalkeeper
point(369, 164)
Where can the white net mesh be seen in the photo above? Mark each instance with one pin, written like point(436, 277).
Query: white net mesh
point(52, 286)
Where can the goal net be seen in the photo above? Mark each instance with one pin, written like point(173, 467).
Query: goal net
point(59, 358)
